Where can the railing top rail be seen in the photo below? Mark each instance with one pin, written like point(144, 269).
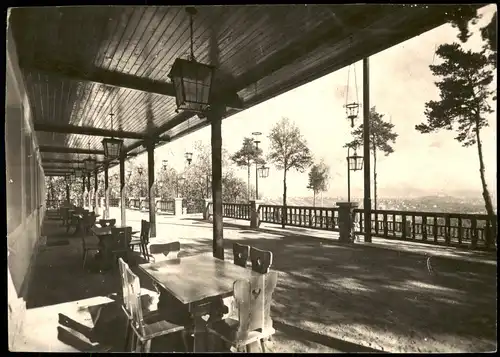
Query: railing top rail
point(432, 214)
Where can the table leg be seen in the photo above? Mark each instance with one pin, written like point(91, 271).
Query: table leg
point(199, 334)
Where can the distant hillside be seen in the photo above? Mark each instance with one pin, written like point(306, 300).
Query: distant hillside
point(438, 203)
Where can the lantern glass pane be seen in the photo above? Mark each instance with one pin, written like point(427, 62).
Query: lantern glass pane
point(192, 82)
point(179, 93)
point(112, 147)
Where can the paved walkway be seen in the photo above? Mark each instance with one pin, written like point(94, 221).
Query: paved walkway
point(383, 296)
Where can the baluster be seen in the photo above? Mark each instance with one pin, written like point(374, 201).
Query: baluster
point(460, 231)
point(487, 233)
point(361, 221)
point(413, 233)
point(376, 223)
point(447, 229)
point(394, 225)
point(385, 223)
point(403, 226)
point(321, 218)
point(474, 232)
point(424, 228)
point(434, 229)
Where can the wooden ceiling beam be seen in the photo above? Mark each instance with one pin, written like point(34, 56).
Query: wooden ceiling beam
point(58, 168)
point(64, 161)
point(113, 79)
point(67, 150)
point(85, 130)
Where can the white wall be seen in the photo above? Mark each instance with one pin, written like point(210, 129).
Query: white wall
point(25, 191)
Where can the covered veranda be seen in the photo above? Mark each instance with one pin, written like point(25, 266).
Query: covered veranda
point(69, 68)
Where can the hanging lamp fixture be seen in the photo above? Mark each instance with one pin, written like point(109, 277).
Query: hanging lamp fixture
point(90, 162)
point(352, 108)
point(192, 80)
point(189, 157)
point(112, 146)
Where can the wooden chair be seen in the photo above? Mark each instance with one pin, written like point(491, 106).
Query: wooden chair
point(143, 240)
point(261, 260)
point(254, 324)
point(144, 326)
point(89, 222)
point(165, 251)
point(88, 246)
point(240, 254)
point(119, 243)
point(107, 222)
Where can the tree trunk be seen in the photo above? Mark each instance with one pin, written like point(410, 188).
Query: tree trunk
point(486, 194)
point(314, 198)
point(283, 213)
point(375, 178)
point(248, 183)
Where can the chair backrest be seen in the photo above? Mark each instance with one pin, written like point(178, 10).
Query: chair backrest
point(107, 222)
point(261, 260)
point(165, 251)
point(241, 253)
point(123, 274)
point(145, 229)
point(133, 293)
point(253, 300)
point(121, 238)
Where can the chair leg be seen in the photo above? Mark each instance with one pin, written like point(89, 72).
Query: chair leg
point(145, 251)
point(263, 345)
point(146, 346)
point(84, 258)
point(128, 332)
point(185, 340)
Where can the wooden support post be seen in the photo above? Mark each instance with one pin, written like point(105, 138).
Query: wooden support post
point(151, 185)
point(215, 117)
point(106, 192)
point(122, 189)
point(89, 203)
point(367, 204)
point(83, 190)
point(95, 190)
point(68, 198)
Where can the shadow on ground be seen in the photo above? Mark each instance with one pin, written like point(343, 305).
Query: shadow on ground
point(383, 299)
point(351, 298)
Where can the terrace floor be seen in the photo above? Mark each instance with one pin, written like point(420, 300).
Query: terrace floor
point(383, 296)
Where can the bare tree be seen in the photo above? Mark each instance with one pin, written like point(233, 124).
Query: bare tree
point(289, 150)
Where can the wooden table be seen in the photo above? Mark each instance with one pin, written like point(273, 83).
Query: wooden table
point(196, 281)
point(103, 233)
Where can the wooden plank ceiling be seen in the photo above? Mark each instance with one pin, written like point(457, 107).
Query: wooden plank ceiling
point(82, 63)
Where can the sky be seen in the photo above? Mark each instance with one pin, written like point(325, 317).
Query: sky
point(400, 85)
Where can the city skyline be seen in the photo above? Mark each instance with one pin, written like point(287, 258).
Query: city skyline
point(400, 84)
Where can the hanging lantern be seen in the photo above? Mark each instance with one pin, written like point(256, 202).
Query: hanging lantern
point(164, 164)
point(89, 163)
point(189, 157)
point(192, 80)
point(263, 171)
point(112, 146)
point(355, 162)
point(140, 170)
point(352, 109)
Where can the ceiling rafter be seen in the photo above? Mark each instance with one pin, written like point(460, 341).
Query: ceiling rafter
point(69, 150)
point(85, 130)
point(112, 78)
